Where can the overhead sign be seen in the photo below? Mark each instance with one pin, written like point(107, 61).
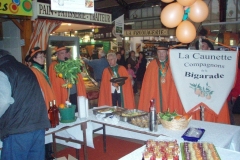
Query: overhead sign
point(146, 32)
point(44, 10)
point(203, 76)
point(16, 7)
point(119, 25)
point(85, 6)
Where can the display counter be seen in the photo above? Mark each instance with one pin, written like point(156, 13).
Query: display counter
point(92, 87)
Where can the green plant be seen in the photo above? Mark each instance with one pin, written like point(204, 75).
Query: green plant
point(69, 70)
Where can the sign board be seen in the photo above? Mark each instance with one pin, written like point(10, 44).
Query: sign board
point(119, 25)
point(16, 7)
point(85, 6)
point(203, 76)
point(44, 10)
point(146, 32)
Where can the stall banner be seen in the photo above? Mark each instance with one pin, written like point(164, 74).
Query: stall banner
point(83, 6)
point(203, 76)
point(119, 25)
point(16, 7)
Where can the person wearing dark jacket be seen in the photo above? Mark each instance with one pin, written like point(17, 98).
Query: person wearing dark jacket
point(141, 65)
point(98, 65)
point(122, 59)
point(23, 113)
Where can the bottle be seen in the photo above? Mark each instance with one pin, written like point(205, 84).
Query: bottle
point(56, 111)
point(51, 116)
point(153, 126)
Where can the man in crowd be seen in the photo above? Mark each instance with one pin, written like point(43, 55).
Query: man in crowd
point(206, 45)
point(63, 53)
point(225, 115)
point(116, 93)
point(98, 65)
point(158, 84)
point(23, 113)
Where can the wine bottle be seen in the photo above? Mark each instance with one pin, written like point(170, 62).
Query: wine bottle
point(56, 111)
point(51, 116)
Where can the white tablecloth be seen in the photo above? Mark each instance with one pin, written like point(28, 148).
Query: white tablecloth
point(221, 135)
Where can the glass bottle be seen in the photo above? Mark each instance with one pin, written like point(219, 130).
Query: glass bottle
point(56, 111)
point(51, 116)
point(153, 126)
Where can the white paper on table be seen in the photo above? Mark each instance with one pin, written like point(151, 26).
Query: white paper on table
point(81, 100)
point(77, 134)
point(86, 107)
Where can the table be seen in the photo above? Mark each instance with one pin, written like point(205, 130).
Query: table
point(221, 135)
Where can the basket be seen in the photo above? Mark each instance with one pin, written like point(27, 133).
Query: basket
point(175, 124)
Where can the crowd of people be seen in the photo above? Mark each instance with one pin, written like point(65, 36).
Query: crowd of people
point(27, 91)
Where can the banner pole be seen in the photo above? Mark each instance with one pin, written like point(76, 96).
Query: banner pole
point(202, 113)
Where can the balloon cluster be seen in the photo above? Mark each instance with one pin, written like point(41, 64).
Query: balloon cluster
point(177, 13)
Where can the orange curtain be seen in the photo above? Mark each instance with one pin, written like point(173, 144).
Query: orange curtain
point(41, 31)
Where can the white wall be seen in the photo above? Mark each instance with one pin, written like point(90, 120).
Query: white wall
point(11, 39)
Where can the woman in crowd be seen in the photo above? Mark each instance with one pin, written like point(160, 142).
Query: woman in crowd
point(132, 59)
point(141, 65)
point(37, 58)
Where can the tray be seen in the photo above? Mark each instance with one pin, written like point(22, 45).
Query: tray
point(206, 150)
point(109, 110)
point(196, 133)
point(127, 115)
point(142, 121)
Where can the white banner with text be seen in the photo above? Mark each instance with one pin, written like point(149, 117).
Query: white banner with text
point(84, 6)
point(203, 76)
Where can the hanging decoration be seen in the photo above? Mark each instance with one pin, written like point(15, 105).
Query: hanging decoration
point(172, 15)
point(177, 14)
point(199, 11)
point(186, 32)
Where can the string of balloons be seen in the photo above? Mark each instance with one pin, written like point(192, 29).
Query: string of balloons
point(179, 14)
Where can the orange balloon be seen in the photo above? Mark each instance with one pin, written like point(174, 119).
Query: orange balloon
point(186, 32)
point(198, 11)
point(186, 2)
point(172, 15)
point(167, 1)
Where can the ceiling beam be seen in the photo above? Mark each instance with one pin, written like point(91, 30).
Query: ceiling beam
point(123, 4)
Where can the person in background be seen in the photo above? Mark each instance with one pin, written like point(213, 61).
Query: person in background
point(158, 84)
point(132, 59)
point(37, 58)
point(225, 115)
point(98, 65)
point(206, 45)
point(119, 59)
point(122, 60)
point(113, 94)
point(27, 62)
point(63, 53)
point(142, 63)
point(23, 113)
point(131, 73)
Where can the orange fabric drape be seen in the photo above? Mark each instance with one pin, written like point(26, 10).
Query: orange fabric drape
point(41, 31)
